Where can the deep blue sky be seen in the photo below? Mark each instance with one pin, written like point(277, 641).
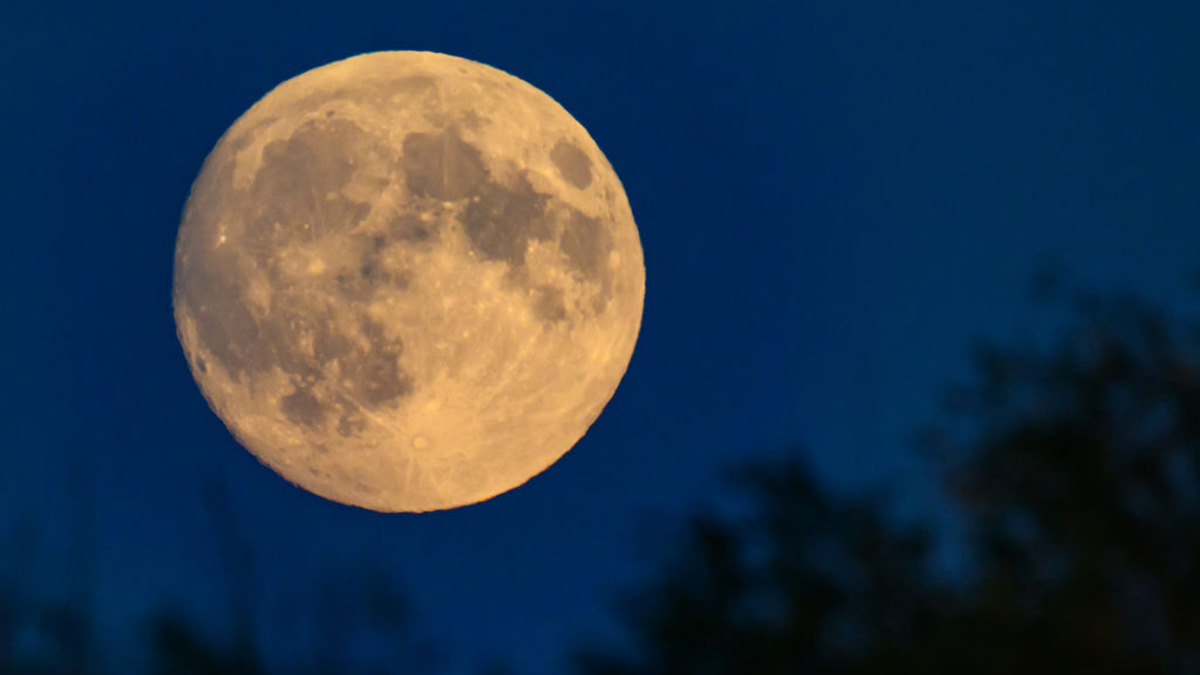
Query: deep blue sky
point(833, 197)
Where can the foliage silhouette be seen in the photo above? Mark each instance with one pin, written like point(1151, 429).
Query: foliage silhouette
point(1076, 472)
point(360, 622)
point(180, 649)
point(39, 633)
point(349, 610)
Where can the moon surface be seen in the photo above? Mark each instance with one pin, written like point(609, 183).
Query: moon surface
point(407, 281)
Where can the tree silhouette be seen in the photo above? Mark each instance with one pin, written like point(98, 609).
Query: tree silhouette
point(359, 621)
point(361, 625)
point(39, 632)
point(1076, 469)
point(179, 648)
point(1079, 472)
point(803, 583)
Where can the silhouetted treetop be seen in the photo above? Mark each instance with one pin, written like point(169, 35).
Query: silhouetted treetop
point(800, 584)
point(1076, 469)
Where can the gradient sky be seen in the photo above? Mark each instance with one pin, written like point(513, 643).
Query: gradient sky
point(833, 198)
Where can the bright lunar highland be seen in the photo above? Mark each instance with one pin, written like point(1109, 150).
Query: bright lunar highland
point(407, 281)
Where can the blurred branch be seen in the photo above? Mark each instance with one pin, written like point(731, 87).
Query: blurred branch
point(74, 623)
point(237, 561)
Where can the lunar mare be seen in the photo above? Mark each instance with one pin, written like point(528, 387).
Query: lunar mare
point(407, 281)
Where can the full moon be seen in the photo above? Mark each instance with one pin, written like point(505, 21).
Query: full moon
point(407, 281)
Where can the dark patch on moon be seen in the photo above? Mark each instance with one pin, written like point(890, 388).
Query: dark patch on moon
point(501, 220)
point(208, 290)
point(351, 424)
point(471, 120)
point(201, 365)
point(301, 407)
point(573, 164)
point(585, 242)
point(296, 194)
point(307, 342)
point(375, 275)
point(353, 287)
point(549, 304)
point(291, 325)
point(231, 334)
point(294, 199)
point(207, 277)
point(500, 217)
point(375, 375)
point(329, 344)
point(378, 378)
point(411, 229)
point(441, 165)
point(372, 272)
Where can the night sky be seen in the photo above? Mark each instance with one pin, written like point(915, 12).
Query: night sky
point(833, 199)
